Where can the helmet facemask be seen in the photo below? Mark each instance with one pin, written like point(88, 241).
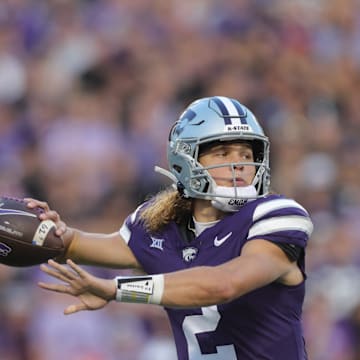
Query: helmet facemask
point(200, 183)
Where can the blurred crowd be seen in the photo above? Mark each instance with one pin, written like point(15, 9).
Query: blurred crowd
point(88, 92)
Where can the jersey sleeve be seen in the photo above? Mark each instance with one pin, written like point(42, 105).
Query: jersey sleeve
point(281, 220)
point(131, 225)
point(139, 241)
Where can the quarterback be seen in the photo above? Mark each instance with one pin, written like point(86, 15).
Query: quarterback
point(220, 252)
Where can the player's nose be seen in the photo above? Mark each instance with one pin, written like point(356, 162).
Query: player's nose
point(237, 164)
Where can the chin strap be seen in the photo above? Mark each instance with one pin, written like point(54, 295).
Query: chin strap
point(176, 184)
point(231, 199)
point(168, 174)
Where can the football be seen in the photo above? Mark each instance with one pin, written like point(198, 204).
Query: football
point(25, 240)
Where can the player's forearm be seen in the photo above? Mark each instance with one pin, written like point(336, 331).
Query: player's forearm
point(98, 249)
point(201, 286)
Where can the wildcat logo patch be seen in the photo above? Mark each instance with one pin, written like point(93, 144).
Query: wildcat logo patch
point(189, 253)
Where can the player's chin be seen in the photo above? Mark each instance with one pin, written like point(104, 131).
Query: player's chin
point(241, 184)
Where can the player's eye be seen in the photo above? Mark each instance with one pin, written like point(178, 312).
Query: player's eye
point(221, 153)
point(247, 156)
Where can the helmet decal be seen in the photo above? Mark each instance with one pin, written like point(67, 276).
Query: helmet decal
point(185, 118)
point(230, 108)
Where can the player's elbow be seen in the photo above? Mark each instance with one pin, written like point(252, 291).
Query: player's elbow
point(222, 291)
point(224, 295)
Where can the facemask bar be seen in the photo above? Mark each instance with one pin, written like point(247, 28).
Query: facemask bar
point(201, 172)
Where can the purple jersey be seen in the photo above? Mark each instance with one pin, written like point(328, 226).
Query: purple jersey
point(263, 324)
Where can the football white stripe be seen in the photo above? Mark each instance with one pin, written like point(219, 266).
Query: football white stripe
point(125, 233)
point(16, 212)
point(229, 106)
point(273, 205)
point(283, 223)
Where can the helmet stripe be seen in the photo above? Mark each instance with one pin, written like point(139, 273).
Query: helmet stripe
point(241, 111)
point(230, 108)
point(223, 109)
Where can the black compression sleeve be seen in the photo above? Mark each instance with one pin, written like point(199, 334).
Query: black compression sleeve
point(293, 252)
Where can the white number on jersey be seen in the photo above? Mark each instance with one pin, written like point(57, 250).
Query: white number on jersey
point(195, 324)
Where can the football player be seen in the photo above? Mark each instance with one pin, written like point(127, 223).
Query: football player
point(220, 252)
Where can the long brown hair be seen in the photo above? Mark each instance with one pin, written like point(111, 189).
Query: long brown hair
point(166, 206)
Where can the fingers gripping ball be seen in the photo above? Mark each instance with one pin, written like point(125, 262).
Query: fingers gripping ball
point(25, 240)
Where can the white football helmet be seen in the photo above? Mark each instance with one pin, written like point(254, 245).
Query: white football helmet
point(216, 119)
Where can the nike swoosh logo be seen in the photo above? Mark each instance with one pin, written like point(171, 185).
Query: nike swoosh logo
point(218, 242)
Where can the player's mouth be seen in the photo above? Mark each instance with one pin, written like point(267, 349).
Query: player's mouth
point(240, 182)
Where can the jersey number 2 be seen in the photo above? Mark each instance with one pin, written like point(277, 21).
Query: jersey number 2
point(208, 321)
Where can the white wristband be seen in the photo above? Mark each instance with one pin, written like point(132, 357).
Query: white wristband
point(146, 289)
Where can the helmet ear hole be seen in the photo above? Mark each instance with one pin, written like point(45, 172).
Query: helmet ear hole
point(177, 168)
point(206, 187)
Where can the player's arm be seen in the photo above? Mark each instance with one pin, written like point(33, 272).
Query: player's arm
point(108, 250)
point(260, 263)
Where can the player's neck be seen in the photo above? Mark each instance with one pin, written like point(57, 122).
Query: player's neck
point(204, 212)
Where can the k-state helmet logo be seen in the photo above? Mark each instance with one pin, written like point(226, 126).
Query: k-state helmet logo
point(5, 250)
point(190, 253)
